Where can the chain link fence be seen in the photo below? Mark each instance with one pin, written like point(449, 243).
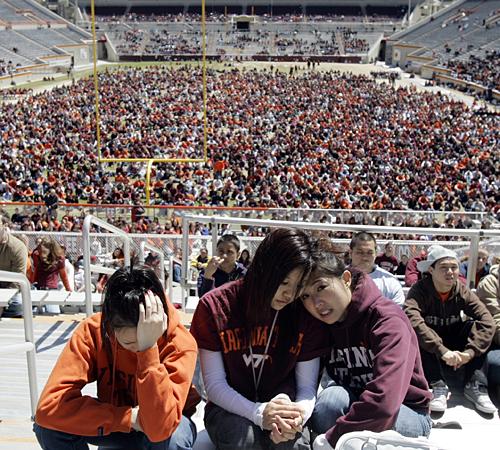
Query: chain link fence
point(103, 244)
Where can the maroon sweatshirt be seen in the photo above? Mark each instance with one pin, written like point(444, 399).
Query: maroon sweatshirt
point(374, 353)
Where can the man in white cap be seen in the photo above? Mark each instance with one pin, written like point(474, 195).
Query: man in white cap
point(434, 306)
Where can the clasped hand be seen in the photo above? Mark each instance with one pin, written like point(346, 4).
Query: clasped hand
point(152, 321)
point(456, 359)
point(283, 417)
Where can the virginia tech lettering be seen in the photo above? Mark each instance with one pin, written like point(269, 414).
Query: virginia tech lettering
point(344, 360)
point(237, 339)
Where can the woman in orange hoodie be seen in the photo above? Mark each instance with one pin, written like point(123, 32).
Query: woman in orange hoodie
point(143, 360)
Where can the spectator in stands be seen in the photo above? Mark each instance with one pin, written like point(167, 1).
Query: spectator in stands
point(13, 258)
point(259, 352)
point(381, 387)
point(48, 266)
point(363, 252)
point(143, 360)
point(401, 270)
point(387, 260)
point(70, 271)
point(177, 265)
point(115, 259)
point(223, 267)
point(318, 168)
point(482, 267)
point(488, 290)
point(80, 277)
point(51, 203)
point(412, 274)
point(434, 306)
point(245, 258)
point(201, 260)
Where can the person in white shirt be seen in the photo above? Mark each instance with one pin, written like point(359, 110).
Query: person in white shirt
point(363, 253)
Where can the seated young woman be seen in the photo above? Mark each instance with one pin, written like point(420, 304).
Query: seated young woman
point(259, 350)
point(374, 362)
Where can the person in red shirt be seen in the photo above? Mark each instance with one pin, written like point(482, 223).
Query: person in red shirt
point(48, 267)
point(387, 260)
point(259, 350)
point(374, 362)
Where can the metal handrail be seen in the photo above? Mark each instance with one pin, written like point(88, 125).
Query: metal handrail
point(87, 223)
point(29, 345)
point(473, 235)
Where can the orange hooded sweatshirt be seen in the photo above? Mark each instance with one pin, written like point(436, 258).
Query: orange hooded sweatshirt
point(157, 379)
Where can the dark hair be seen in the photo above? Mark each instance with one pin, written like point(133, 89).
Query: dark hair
point(362, 236)
point(325, 262)
point(55, 255)
point(283, 250)
point(123, 293)
point(231, 239)
point(245, 261)
point(121, 254)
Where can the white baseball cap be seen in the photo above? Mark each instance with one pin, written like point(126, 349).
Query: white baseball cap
point(434, 254)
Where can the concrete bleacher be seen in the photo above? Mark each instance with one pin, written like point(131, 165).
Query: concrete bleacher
point(7, 13)
point(61, 298)
point(26, 47)
point(31, 35)
point(19, 11)
point(47, 36)
point(304, 38)
point(465, 28)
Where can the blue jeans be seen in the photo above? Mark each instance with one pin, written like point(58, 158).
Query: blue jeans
point(493, 366)
point(229, 431)
point(176, 276)
point(182, 439)
point(335, 401)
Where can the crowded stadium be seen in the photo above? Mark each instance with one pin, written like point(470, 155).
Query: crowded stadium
point(303, 193)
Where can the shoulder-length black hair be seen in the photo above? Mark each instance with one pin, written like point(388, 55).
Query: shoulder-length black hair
point(283, 250)
point(123, 293)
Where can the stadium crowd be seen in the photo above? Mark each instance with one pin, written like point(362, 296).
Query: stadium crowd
point(164, 42)
point(6, 67)
point(220, 17)
point(147, 221)
point(313, 140)
point(482, 70)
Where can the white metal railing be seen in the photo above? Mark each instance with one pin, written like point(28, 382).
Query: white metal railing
point(473, 235)
point(29, 345)
point(88, 268)
point(169, 242)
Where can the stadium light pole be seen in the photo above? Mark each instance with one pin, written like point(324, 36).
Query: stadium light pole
point(409, 10)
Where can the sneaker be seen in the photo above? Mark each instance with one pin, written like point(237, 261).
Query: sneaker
point(476, 390)
point(13, 310)
point(440, 395)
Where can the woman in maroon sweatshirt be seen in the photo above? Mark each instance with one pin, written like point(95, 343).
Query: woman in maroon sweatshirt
point(374, 362)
